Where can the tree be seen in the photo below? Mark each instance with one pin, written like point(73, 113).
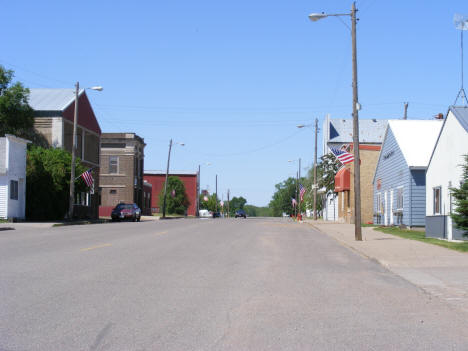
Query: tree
point(282, 198)
point(236, 203)
point(16, 116)
point(328, 167)
point(48, 182)
point(460, 213)
point(177, 200)
point(208, 204)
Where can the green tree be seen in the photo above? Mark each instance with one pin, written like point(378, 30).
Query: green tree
point(16, 116)
point(328, 167)
point(208, 204)
point(48, 182)
point(177, 200)
point(281, 201)
point(236, 203)
point(460, 214)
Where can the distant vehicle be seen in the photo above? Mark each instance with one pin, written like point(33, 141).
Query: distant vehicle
point(241, 213)
point(205, 213)
point(216, 214)
point(126, 211)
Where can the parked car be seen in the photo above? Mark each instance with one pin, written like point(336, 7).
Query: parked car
point(126, 211)
point(241, 213)
point(205, 213)
point(216, 214)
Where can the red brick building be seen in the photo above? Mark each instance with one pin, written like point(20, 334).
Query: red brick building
point(157, 179)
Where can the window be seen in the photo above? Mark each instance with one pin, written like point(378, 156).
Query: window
point(399, 199)
point(113, 164)
point(377, 202)
point(113, 191)
point(437, 197)
point(14, 189)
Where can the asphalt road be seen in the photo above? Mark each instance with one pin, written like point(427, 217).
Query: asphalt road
point(255, 284)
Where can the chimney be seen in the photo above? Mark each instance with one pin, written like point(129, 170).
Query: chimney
point(439, 116)
point(405, 116)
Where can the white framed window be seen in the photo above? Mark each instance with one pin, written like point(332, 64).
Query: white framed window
point(13, 189)
point(378, 203)
point(399, 199)
point(436, 193)
point(113, 164)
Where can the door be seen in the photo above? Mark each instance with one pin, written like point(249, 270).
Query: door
point(391, 207)
point(386, 209)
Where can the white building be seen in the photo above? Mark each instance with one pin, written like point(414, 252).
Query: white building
point(444, 172)
point(12, 177)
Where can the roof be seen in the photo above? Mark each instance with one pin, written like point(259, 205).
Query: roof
point(161, 172)
point(461, 113)
point(51, 99)
point(370, 130)
point(416, 139)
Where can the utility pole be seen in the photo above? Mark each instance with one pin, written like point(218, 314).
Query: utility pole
point(165, 184)
point(357, 171)
point(198, 192)
point(297, 202)
point(405, 116)
point(229, 213)
point(72, 171)
point(299, 179)
point(216, 193)
point(315, 171)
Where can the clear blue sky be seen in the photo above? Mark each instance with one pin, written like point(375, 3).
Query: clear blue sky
point(232, 79)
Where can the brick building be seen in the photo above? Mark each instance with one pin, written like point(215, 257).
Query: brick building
point(53, 118)
point(121, 176)
point(157, 179)
point(344, 185)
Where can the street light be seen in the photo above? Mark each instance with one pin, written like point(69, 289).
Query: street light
point(198, 187)
point(167, 173)
point(72, 172)
point(315, 164)
point(356, 106)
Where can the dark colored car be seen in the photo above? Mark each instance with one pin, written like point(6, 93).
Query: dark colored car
point(216, 214)
point(126, 211)
point(241, 213)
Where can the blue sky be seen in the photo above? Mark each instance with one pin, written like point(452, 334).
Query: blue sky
point(233, 79)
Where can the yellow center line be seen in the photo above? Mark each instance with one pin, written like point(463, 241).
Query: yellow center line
point(95, 247)
point(161, 233)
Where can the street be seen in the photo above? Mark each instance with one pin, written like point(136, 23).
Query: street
point(213, 284)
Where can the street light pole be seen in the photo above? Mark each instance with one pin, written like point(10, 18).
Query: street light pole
point(73, 154)
point(357, 160)
point(356, 106)
point(71, 197)
point(315, 171)
point(165, 183)
point(198, 192)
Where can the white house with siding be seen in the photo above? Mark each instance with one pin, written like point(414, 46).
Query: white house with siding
point(400, 176)
point(444, 172)
point(12, 177)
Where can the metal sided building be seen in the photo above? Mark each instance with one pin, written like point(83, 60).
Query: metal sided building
point(400, 176)
point(444, 172)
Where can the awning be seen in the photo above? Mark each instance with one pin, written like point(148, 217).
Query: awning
point(342, 180)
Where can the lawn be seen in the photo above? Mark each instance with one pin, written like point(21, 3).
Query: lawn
point(420, 236)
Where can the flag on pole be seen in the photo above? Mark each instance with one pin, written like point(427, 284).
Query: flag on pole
point(344, 156)
point(88, 178)
point(294, 202)
point(302, 191)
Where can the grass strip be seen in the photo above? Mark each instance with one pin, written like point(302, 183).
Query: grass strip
point(421, 236)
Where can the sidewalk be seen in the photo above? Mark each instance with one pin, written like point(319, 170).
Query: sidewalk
point(439, 271)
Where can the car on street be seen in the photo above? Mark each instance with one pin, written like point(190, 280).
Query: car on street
point(205, 213)
point(216, 214)
point(126, 211)
point(241, 213)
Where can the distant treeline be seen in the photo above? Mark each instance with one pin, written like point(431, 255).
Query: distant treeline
point(254, 211)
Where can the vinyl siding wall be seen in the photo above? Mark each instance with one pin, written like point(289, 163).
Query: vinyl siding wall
point(391, 173)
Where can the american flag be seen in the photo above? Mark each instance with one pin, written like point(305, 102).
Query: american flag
point(88, 178)
point(302, 191)
point(342, 155)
